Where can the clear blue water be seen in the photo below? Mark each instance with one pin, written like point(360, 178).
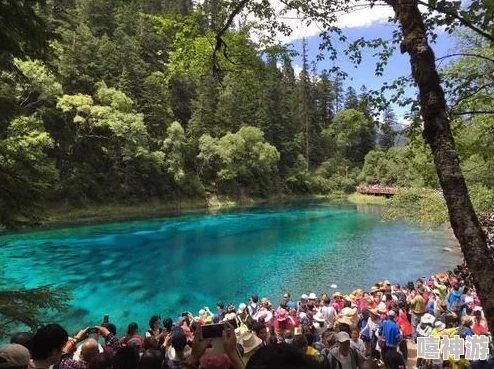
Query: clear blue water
point(164, 266)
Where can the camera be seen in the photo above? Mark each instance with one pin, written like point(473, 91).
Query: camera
point(212, 330)
point(92, 330)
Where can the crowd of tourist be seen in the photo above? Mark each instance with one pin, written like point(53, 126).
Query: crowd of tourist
point(358, 330)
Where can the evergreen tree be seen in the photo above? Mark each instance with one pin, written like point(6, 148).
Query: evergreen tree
point(351, 99)
point(388, 133)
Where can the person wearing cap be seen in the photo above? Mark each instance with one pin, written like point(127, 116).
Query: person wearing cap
point(389, 330)
point(302, 304)
point(338, 302)
point(342, 355)
point(14, 356)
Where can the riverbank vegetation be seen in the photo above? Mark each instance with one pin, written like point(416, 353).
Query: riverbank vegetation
point(121, 104)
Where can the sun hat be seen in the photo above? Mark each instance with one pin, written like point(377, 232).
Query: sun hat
point(241, 308)
point(265, 315)
point(312, 296)
point(477, 308)
point(14, 355)
point(427, 318)
point(304, 296)
point(342, 337)
point(318, 317)
point(281, 315)
point(391, 314)
point(374, 311)
point(337, 294)
point(374, 289)
point(386, 282)
point(440, 326)
point(249, 341)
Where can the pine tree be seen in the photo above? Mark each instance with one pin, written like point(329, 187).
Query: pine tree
point(351, 99)
point(388, 134)
point(304, 96)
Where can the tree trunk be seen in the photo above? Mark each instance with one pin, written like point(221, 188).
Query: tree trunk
point(437, 133)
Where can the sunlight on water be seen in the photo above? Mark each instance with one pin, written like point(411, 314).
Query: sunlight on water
point(133, 270)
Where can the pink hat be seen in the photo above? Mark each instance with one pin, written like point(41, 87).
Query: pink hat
point(281, 315)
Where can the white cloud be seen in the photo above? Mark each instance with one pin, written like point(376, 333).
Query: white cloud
point(361, 17)
point(404, 121)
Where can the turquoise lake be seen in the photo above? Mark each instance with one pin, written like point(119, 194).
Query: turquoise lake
point(132, 270)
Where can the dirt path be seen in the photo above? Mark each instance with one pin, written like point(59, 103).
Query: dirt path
point(412, 355)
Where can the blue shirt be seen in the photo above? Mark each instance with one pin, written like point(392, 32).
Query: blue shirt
point(391, 331)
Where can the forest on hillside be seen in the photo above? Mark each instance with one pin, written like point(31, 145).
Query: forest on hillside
point(122, 101)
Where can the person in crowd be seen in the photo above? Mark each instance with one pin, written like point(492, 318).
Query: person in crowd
point(389, 331)
point(23, 338)
point(79, 358)
point(103, 360)
point(111, 342)
point(479, 322)
point(132, 336)
point(126, 357)
point(281, 356)
point(150, 343)
point(338, 302)
point(49, 343)
point(417, 307)
point(252, 307)
point(393, 360)
point(455, 301)
point(154, 327)
point(14, 356)
point(357, 343)
point(319, 324)
point(343, 356)
point(287, 297)
point(151, 359)
point(261, 332)
point(177, 349)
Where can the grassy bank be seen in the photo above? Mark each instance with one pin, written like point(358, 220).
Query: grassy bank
point(58, 214)
point(358, 198)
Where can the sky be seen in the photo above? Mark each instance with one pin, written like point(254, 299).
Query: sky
point(368, 23)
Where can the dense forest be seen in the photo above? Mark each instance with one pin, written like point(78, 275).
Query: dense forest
point(124, 102)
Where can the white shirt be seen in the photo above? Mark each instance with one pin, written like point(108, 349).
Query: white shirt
point(329, 313)
point(359, 345)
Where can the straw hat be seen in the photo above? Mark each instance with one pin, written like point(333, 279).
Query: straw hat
point(318, 317)
point(427, 318)
point(374, 289)
point(337, 294)
point(249, 341)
